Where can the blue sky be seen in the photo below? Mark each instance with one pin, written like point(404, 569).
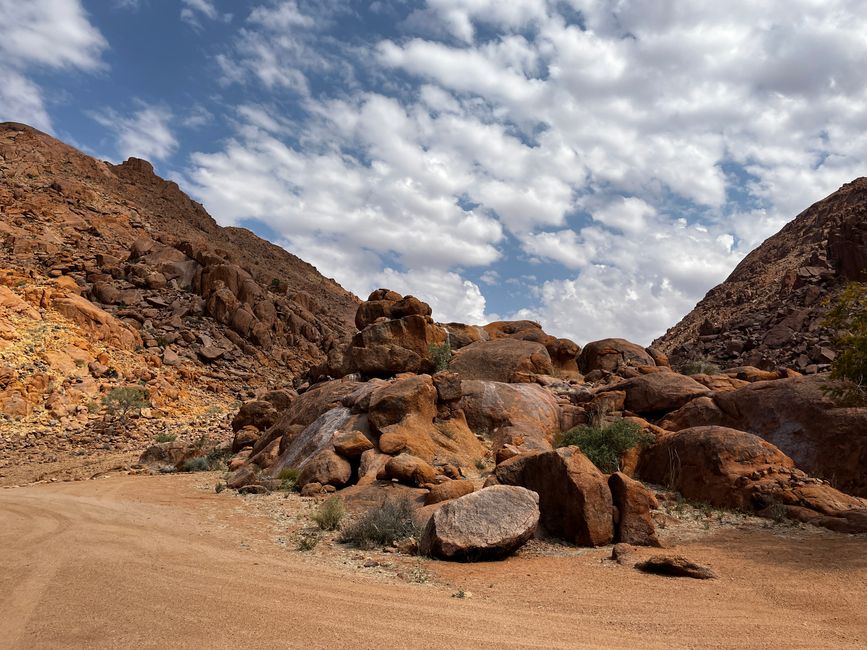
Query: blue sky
point(596, 165)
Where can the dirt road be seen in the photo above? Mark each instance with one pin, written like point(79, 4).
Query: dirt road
point(158, 562)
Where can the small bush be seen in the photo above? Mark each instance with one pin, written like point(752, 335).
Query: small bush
point(288, 478)
point(699, 367)
point(381, 526)
point(165, 437)
point(329, 515)
point(440, 355)
point(219, 487)
point(120, 402)
point(199, 464)
point(218, 456)
point(604, 445)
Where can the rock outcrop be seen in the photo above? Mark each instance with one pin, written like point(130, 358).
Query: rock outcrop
point(769, 311)
point(797, 417)
point(735, 469)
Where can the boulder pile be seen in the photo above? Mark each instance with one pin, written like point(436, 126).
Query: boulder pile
point(476, 423)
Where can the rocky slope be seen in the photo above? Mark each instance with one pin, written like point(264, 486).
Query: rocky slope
point(769, 311)
point(111, 276)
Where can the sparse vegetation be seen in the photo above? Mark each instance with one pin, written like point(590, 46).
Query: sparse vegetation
point(848, 317)
point(440, 356)
point(288, 478)
point(604, 445)
point(481, 464)
point(198, 464)
point(329, 515)
point(381, 526)
point(217, 457)
point(120, 402)
point(308, 539)
point(219, 487)
point(165, 437)
point(701, 366)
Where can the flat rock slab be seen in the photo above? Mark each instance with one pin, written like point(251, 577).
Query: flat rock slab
point(676, 566)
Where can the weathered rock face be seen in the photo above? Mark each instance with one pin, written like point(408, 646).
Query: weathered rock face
point(735, 469)
point(633, 502)
point(139, 286)
point(574, 498)
point(503, 360)
point(659, 392)
point(98, 323)
point(486, 525)
point(769, 311)
point(610, 354)
point(405, 414)
point(794, 415)
point(523, 415)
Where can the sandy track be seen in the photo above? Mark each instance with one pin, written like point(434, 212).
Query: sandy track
point(156, 562)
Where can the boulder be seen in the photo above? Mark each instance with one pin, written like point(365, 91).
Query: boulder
point(735, 469)
point(633, 502)
point(326, 468)
point(447, 491)
point(574, 498)
point(404, 412)
point(659, 392)
point(486, 525)
point(503, 360)
point(609, 354)
point(389, 347)
point(245, 437)
point(525, 416)
point(391, 306)
point(795, 415)
point(676, 566)
point(259, 413)
point(410, 470)
point(461, 335)
point(351, 444)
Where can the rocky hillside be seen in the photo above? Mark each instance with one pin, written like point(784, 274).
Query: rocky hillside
point(769, 311)
point(111, 276)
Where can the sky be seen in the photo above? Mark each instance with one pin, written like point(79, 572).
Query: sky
point(595, 165)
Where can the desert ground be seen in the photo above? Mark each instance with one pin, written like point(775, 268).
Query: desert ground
point(164, 561)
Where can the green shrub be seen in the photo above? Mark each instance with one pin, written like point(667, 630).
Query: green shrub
point(383, 525)
point(329, 515)
point(165, 437)
point(848, 317)
point(699, 367)
point(199, 464)
point(120, 402)
point(218, 456)
point(288, 478)
point(440, 355)
point(604, 445)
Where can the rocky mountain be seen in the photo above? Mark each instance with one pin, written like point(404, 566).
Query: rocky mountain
point(112, 276)
point(769, 311)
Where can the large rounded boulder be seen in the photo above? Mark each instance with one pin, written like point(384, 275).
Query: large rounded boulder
point(504, 360)
point(486, 525)
point(574, 497)
point(610, 354)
